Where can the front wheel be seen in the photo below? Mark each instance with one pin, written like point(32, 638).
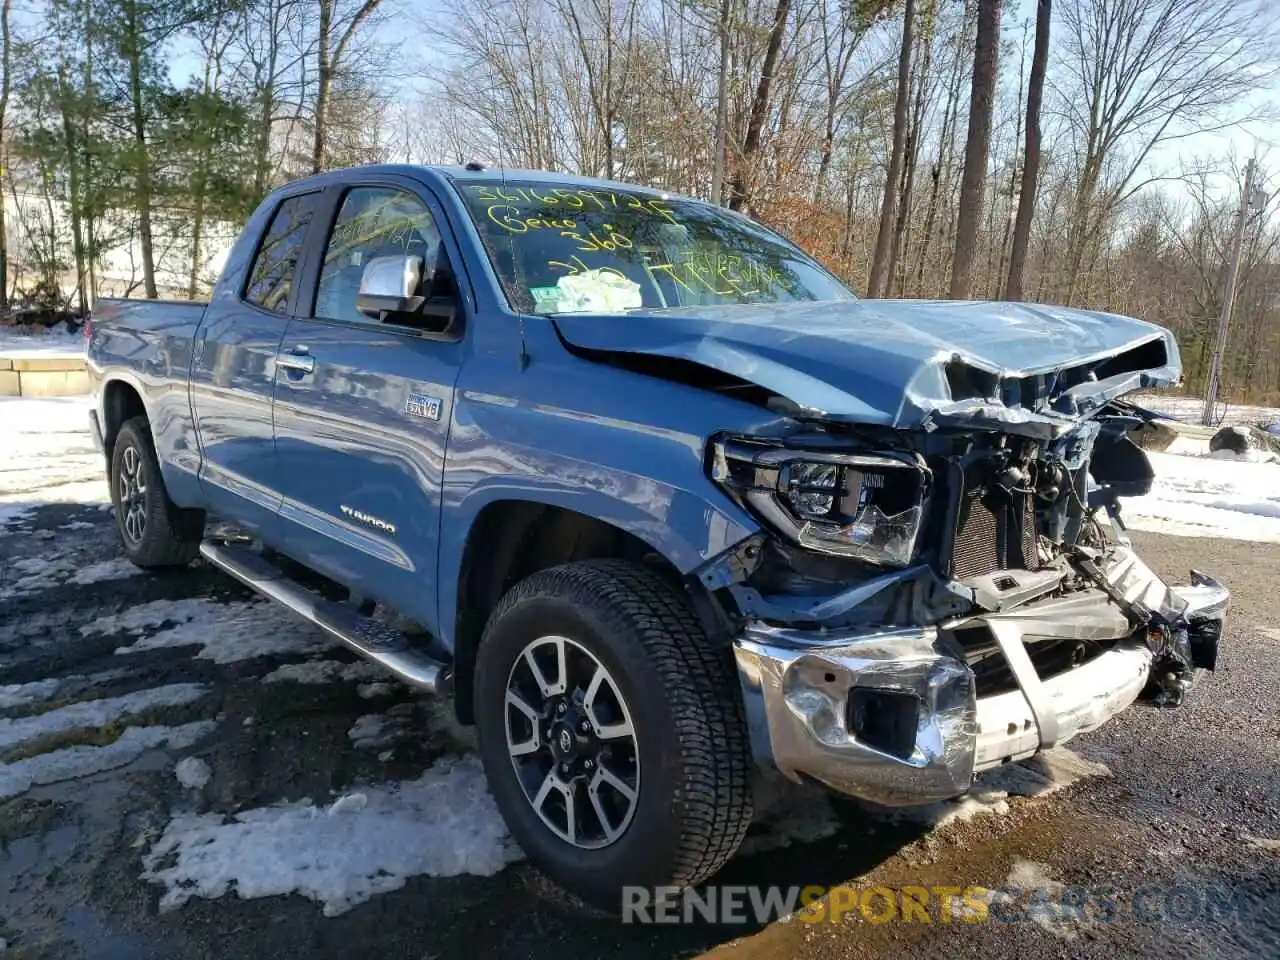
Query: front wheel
point(154, 530)
point(611, 731)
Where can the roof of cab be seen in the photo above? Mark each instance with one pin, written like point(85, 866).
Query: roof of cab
point(464, 174)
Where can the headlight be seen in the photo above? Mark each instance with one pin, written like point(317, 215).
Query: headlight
point(867, 507)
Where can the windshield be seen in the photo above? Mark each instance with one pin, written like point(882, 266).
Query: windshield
point(566, 248)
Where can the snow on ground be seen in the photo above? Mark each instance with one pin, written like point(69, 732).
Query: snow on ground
point(442, 824)
point(72, 763)
point(1031, 886)
point(48, 455)
point(224, 632)
point(17, 343)
point(116, 569)
point(1201, 496)
point(41, 573)
point(25, 694)
point(38, 691)
point(36, 741)
point(1039, 776)
point(95, 714)
point(193, 773)
point(1188, 410)
point(373, 731)
point(326, 671)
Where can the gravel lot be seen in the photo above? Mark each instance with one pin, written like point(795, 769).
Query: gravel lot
point(1192, 803)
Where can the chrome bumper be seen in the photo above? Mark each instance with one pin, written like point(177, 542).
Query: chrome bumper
point(892, 716)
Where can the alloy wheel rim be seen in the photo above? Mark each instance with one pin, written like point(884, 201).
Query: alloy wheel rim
point(133, 495)
point(572, 743)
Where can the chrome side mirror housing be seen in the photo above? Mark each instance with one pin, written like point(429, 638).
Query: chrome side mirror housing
point(391, 285)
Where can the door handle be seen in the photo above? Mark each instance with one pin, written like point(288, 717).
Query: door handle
point(300, 362)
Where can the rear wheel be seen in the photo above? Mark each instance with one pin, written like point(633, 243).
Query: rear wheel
point(611, 731)
point(154, 530)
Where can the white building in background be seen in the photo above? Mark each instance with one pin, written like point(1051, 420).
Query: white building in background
point(37, 232)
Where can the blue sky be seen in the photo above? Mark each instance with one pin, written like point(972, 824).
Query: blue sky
point(1220, 148)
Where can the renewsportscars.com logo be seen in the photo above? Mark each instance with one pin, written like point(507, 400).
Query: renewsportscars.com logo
point(1057, 903)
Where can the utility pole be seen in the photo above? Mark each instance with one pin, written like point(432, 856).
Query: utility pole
point(1251, 198)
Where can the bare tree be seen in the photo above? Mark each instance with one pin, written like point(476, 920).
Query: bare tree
point(977, 145)
point(1141, 73)
point(745, 172)
point(272, 54)
point(215, 38)
point(840, 41)
point(941, 169)
point(6, 88)
point(722, 102)
point(922, 80)
point(337, 27)
point(1031, 154)
point(888, 206)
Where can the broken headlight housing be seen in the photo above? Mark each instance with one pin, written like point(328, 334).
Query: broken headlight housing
point(866, 507)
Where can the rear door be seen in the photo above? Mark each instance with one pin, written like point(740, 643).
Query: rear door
point(361, 422)
point(233, 370)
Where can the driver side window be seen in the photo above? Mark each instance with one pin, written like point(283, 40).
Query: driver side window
point(373, 222)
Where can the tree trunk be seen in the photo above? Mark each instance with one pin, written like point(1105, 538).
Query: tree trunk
point(949, 114)
point(199, 190)
point(884, 236)
point(607, 114)
point(75, 191)
point(143, 160)
point(722, 101)
point(977, 145)
point(851, 204)
point(897, 271)
point(324, 78)
point(6, 85)
point(50, 266)
point(759, 108)
point(1031, 162)
point(4, 242)
point(262, 145)
point(89, 214)
point(835, 71)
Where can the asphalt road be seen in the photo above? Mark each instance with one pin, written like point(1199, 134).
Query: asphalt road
point(1175, 853)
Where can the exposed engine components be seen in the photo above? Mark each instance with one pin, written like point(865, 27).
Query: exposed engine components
point(1014, 477)
point(1050, 480)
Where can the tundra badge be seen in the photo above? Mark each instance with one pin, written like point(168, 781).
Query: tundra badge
point(369, 519)
point(420, 405)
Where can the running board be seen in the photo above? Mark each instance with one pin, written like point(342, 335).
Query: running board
point(364, 635)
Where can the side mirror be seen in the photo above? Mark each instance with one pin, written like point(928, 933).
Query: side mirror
point(391, 285)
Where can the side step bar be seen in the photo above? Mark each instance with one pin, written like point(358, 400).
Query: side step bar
point(364, 635)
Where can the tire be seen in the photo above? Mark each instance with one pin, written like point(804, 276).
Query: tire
point(692, 802)
point(154, 530)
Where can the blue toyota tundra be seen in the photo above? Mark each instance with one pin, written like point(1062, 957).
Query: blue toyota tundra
point(666, 502)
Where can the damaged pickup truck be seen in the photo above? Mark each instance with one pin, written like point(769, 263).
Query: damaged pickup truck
point(655, 497)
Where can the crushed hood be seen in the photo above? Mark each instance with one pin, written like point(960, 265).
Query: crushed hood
point(906, 363)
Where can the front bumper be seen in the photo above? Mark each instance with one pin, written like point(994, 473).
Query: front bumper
point(893, 716)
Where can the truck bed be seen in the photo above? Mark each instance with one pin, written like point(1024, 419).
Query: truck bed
point(147, 344)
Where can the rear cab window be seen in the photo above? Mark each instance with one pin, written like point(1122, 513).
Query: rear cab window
point(274, 273)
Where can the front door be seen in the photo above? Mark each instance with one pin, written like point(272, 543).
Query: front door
point(361, 422)
point(233, 371)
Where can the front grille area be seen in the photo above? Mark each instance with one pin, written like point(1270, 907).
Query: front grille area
point(995, 530)
point(1049, 655)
